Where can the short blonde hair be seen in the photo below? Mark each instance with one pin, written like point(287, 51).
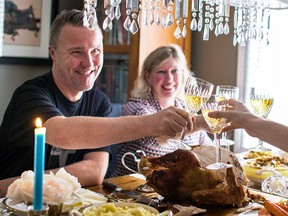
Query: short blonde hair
point(141, 87)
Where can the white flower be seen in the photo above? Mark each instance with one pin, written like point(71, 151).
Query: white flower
point(68, 177)
point(14, 191)
point(58, 188)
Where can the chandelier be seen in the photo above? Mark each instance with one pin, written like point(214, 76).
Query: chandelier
point(251, 17)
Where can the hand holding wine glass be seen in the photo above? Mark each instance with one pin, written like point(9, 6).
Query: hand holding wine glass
point(216, 125)
point(227, 92)
point(196, 90)
point(261, 104)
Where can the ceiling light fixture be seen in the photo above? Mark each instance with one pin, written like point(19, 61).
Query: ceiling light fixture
point(251, 17)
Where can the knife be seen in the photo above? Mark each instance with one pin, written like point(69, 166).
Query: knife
point(125, 194)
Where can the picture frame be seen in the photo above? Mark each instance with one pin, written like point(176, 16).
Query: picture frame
point(29, 46)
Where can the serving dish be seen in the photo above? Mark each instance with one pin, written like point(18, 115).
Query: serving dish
point(18, 209)
point(258, 174)
point(126, 205)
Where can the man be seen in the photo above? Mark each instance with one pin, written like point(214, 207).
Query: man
point(67, 103)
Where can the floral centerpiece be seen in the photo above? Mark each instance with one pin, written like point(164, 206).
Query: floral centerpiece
point(59, 188)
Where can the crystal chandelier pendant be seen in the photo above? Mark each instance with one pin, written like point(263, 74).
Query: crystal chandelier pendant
point(226, 29)
point(251, 17)
point(139, 20)
point(117, 12)
point(200, 14)
point(112, 13)
point(170, 19)
point(146, 17)
point(133, 27)
point(178, 32)
point(152, 11)
point(200, 24)
point(184, 31)
point(158, 19)
point(127, 23)
point(164, 21)
point(221, 28)
point(216, 31)
point(194, 10)
point(107, 24)
point(158, 14)
point(146, 14)
point(193, 25)
point(152, 17)
point(90, 17)
point(206, 32)
point(211, 25)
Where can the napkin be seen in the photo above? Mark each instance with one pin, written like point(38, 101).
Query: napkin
point(82, 198)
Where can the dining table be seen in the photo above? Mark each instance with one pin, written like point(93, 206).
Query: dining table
point(133, 181)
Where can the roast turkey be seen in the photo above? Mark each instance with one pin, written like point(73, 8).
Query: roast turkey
point(182, 176)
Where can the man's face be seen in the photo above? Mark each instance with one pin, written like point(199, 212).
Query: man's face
point(78, 59)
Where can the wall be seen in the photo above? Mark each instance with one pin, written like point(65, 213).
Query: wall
point(12, 76)
point(214, 60)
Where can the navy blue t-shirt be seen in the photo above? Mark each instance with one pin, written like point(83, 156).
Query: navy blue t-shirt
point(40, 97)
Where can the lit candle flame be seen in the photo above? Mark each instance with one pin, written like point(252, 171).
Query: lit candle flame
point(38, 123)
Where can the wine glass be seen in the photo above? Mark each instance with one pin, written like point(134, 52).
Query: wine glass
point(227, 92)
point(196, 90)
point(261, 104)
point(216, 125)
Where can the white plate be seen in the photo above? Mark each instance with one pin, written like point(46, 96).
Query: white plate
point(250, 213)
point(19, 208)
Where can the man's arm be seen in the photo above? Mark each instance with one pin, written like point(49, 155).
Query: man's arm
point(91, 170)
point(94, 132)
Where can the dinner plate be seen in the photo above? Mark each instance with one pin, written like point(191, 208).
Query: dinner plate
point(21, 208)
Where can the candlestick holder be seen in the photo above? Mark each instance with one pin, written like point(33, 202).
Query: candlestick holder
point(43, 212)
point(55, 209)
point(48, 210)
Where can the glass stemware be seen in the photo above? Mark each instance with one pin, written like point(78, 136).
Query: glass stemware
point(261, 104)
point(216, 125)
point(227, 92)
point(196, 91)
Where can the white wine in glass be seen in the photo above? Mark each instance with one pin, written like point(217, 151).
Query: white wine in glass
point(216, 125)
point(196, 91)
point(261, 104)
point(227, 92)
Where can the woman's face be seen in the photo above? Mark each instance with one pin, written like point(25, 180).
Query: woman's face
point(166, 79)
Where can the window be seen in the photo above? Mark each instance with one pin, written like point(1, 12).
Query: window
point(266, 66)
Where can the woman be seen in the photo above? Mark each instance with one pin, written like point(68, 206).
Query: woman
point(159, 85)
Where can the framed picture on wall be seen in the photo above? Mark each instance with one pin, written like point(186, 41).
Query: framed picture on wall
point(26, 31)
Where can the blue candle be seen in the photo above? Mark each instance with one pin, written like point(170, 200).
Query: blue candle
point(39, 158)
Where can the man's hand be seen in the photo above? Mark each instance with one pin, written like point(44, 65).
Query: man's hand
point(170, 121)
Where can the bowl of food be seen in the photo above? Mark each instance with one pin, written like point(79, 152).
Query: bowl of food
point(122, 208)
point(262, 167)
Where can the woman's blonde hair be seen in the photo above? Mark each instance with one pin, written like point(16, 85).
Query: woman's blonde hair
point(141, 87)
